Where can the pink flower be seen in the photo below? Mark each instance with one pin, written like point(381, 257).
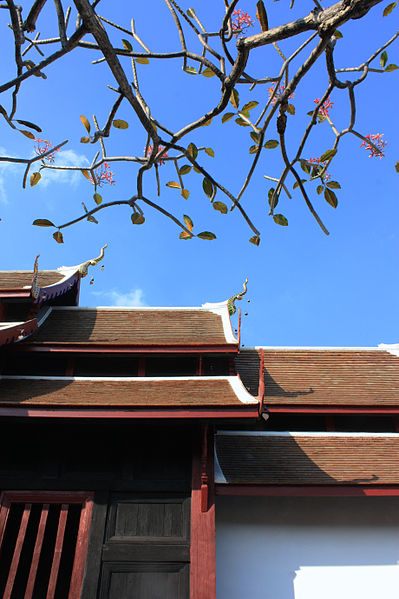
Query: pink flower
point(325, 107)
point(380, 144)
point(279, 92)
point(161, 161)
point(43, 146)
point(103, 176)
point(242, 22)
point(317, 162)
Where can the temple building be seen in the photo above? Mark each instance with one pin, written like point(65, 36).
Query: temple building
point(145, 454)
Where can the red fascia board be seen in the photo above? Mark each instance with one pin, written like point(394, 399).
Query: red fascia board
point(128, 349)
point(10, 334)
point(133, 413)
point(15, 293)
point(307, 490)
point(333, 409)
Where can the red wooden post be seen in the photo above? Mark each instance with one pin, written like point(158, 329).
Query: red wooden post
point(57, 552)
point(36, 552)
point(81, 550)
point(17, 551)
point(202, 552)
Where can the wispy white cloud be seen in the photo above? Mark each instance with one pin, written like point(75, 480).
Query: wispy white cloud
point(133, 298)
point(65, 158)
point(6, 170)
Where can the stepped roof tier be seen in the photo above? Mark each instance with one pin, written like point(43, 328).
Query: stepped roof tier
point(318, 458)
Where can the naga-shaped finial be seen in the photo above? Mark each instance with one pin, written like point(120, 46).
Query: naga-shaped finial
point(84, 268)
point(35, 287)
point(238, 296)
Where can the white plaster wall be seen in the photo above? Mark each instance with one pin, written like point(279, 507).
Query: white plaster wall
point(307, 548)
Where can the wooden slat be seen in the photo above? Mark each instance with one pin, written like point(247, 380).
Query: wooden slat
point(57, 551)
point(5, 509)
point(81, 550)
point(17, 551)
point(36, 552)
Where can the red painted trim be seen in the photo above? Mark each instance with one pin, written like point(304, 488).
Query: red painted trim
point(261, 384)
point(129, 349)
point(332, 409)
point(17, 293)
point(55, 566)
point(10, 334)
point(36, 552)
point(307, 490)
point(209, 413)
point(17, 551)
point(202, 550)
point(81, 549)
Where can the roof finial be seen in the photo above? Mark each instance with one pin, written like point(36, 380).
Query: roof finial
point(238, 296)
point(35, 287)
point(84, 268)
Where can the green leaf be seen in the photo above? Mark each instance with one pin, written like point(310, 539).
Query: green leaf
point(397, 167)
point(249, 106)
point(291, 109)
point(244, 113)
point(43, 222)
point(192, 150)
point(319, 189)
point(97, 198)
point(210, 152)
point(383, 59)
point(119, 124)
point(35, 178)
point(84, 140)
point(185, 193)
point(255, 240)
point(188, 222)
point(305, 166)
point(327, 155)
point(226, 117)
point(310, 113)
point(253, 149)
point(321, 117)
point(191, 13)
point(184, 170)
point(261, 15)
point(191, 71)
point(207, 186)
point(58, 237)
point(221, 207)
point(241, 122)
point(255, 136)
point(29, 124)
point(206, 235)
point(279, 219)
point(85, 122)
point(391, 67)
point(185, 235)
point(296, 184)
point(127, 45)
point(208, 72)
point(142, 60)
point(271, 144)
point(196, 170)
point(333, 185)
point(27, 133)
point(337, 34)
point(235, 98)
point(86, 174)
point(270, 196)
point(173, 184)
point(331, 198)
point(388, 9)
point(137, 218)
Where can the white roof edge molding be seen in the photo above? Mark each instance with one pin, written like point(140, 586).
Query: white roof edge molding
point(82, 268)
point(391, 348)
point(242, 394)
point(233, 380)
point(222, 310)
point(320, 434)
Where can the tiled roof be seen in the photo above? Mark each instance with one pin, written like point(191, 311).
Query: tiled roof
point(138, 392)
point(306, 458)
point(332, 377)
point(126, 326)
point(18, 279)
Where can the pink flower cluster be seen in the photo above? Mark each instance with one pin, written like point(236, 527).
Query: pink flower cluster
point(241, 22)
point(279, 92)
point(43, 146)
point(161, 161)
point(380, 144)
point(319, 163)
point(103, 176)
point(325, 107)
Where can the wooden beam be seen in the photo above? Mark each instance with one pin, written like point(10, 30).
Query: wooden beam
point(202, 551)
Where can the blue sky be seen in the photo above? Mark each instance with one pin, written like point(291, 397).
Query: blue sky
point(304, 288)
